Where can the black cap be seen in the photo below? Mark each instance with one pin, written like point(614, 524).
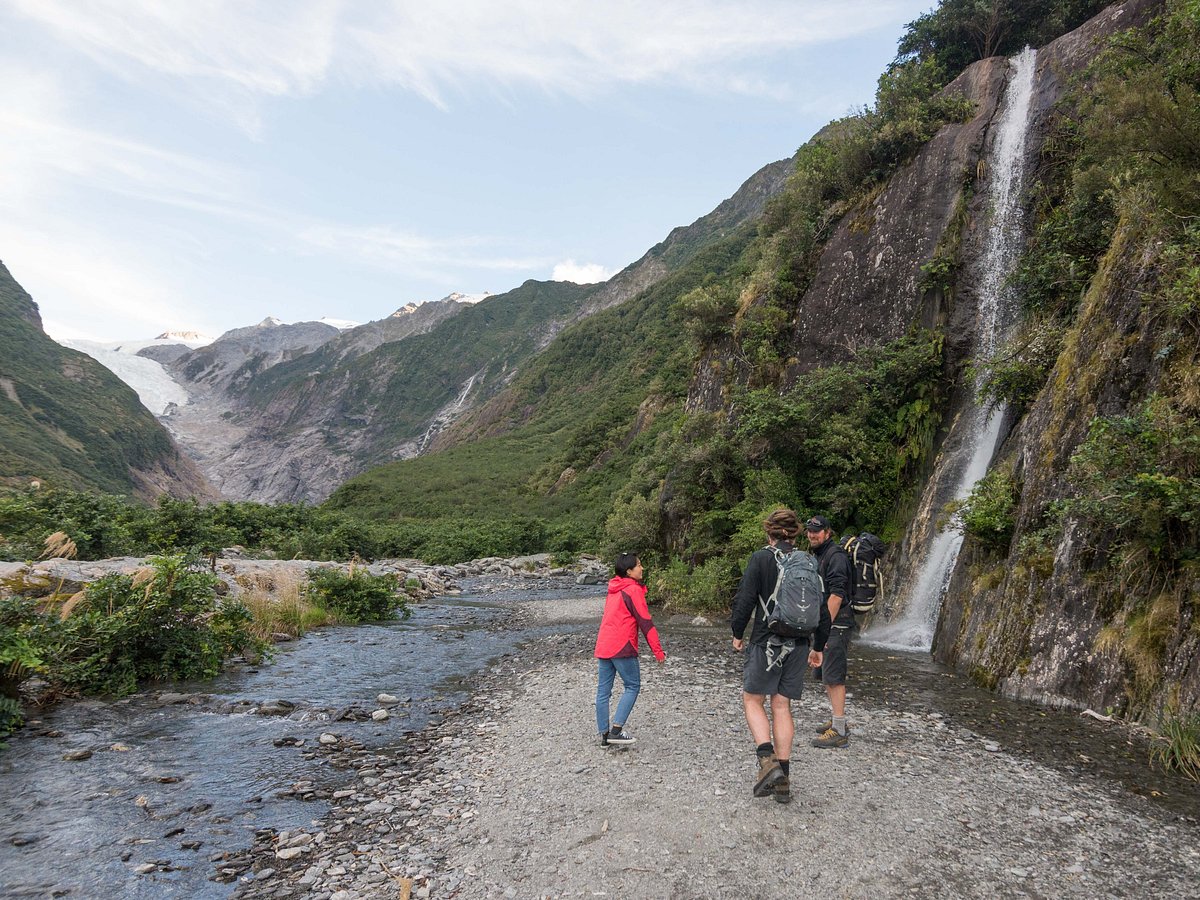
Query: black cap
point(816, 523)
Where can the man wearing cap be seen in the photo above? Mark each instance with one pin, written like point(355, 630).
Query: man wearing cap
point(837, 620)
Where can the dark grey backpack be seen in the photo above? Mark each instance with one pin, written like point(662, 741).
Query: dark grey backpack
point(794, 607)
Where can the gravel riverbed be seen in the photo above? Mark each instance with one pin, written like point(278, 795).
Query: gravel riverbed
point(511, 796)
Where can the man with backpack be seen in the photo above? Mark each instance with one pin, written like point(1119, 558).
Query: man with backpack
point(780, 590)
point(830, 649)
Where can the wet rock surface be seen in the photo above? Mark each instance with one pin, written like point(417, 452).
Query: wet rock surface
point(512, 796)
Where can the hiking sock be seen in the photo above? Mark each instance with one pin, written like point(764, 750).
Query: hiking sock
point(839, 724)
point(765, 749)
point(786, 765)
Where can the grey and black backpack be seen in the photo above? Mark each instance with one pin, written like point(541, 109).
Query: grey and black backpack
point(794, 608)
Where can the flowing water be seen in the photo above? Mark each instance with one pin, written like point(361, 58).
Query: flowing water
point(202, 767)
point(973, 437)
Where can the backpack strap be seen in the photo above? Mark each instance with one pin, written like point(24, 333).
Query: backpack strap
point(780, 556)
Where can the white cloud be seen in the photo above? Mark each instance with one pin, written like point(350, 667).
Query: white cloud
point(228, 52)
point(581, 273)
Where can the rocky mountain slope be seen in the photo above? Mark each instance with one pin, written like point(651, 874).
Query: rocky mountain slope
point(274, 429)
point(68, 421)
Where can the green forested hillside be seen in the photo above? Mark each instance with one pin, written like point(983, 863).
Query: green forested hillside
point(574, 407)
point(65, 419)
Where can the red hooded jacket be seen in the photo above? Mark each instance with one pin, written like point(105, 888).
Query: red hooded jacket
point(625, 612)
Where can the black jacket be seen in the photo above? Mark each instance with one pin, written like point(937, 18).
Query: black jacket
point(838, 574)
point(758, 582)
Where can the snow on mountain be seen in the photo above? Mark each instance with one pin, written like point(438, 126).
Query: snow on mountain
point(154, 387)
point(339, 324)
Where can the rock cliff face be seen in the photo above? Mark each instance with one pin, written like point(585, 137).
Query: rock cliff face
point(1034, 629)
point(68, 421)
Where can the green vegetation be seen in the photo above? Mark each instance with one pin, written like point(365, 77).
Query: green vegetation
point(1178, 745)
point(959, 32)
point(988, 514)
point(1139, 476)
point(356, 596)
point(66, 420)
point(163, 622)
point(104, 525)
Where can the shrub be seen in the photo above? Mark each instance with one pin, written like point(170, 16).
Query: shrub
point(633, 526)
point(357, 595)
point(164, 622)
point(707, 588)
point(1140, 474)
point(988, 513)
point(1018, 372)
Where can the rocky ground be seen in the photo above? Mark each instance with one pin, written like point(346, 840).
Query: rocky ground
point(512, 796)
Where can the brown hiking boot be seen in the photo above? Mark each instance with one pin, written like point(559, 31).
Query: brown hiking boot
point(783, 790)
point(768, 773)
point(832, 739)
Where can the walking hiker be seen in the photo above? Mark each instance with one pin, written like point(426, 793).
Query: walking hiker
point(837, 619)
point(625, 614)
point(775, 664)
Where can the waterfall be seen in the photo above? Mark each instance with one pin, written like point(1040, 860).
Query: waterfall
point(971, 442)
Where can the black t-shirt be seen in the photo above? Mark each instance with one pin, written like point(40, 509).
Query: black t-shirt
point(838, 574)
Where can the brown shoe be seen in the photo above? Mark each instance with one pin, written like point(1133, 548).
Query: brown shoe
point(769, 772)
point(783, 790)
point(832, 739)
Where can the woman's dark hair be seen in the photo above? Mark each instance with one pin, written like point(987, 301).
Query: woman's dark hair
point(782, 524)
point(624, 563)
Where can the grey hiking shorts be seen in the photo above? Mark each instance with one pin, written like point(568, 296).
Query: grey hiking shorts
point(786, 679)
point(833, 663)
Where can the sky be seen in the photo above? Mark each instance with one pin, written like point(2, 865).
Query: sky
point(200, 165)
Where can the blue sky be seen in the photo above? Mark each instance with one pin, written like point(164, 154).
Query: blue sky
point(200, 165)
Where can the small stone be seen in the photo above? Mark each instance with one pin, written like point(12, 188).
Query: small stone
point(119, 748)
point(145, 868)
point(76, 755)
point(1076, 869)
point(1020, 873)
point(991, 747)
point(327, 738)
point(387, 699)
point(290, 852)
point(263, 874)
point(379, 715)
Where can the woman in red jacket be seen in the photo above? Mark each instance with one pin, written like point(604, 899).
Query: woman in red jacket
point(625, 613)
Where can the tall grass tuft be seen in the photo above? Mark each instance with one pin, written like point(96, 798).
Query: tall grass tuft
point(1178, 745)
point(278, 605)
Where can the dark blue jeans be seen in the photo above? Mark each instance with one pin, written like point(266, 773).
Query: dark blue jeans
point(631, 677)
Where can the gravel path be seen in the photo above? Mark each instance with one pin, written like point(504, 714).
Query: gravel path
point(512, 796)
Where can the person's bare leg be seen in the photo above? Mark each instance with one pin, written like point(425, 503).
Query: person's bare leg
point(782, 726)
point(837, 699)
point(756, 717)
